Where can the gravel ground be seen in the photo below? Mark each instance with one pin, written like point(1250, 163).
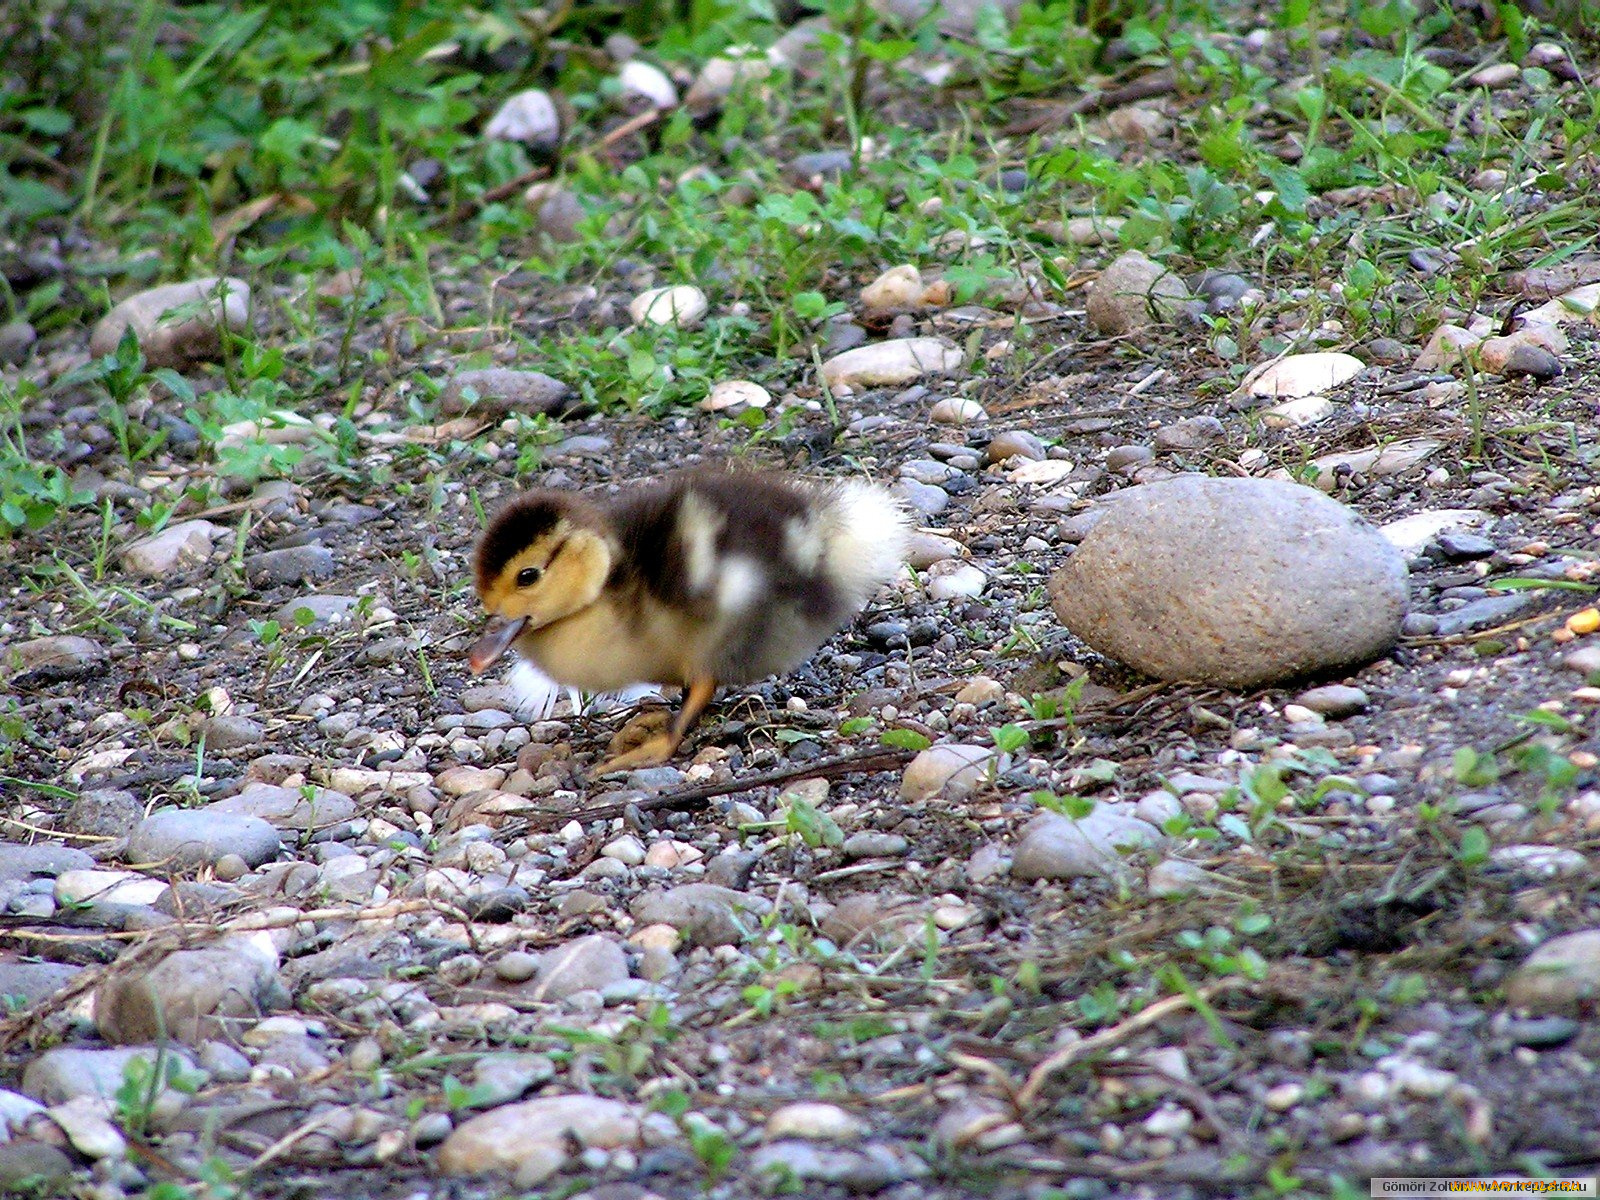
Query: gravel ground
point(400, 935)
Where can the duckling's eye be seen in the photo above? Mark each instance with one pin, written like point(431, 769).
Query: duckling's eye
point(529, 576)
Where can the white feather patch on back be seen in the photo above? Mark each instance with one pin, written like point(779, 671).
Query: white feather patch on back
point(740, 584)
point(803, 541)
point(698, 526)
point(867, 535)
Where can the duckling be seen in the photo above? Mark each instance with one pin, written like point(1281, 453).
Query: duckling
point(702, 578)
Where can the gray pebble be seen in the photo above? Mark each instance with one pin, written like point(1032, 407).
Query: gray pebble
point(584, 445)
point(16, 338)
point(1014, 443)
point(104, 812)
point(1459, 546)
point(824, 164)
point(231, 733)
point(927, 500)
point(1542, 1033)
point(706, 915)
point(926, 470)
point(516, 966)
point(1533, 361)
point(51, 659)
point(1419, 625)
point(191, 837)
point(289, 565)
point(323, 611)
point(1193, 433)
point(1123, 458)
point(498, 905)
point(497, 391)
point(732, 869)
point(1334, 700)
point(1481, 614)
point(871, 844)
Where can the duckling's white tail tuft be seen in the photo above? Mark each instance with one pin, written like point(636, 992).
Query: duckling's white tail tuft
point(866, 534)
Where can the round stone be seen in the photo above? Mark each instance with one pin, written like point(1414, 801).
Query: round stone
point(1237, 582)
point(1133, 294)
point(1559, 976)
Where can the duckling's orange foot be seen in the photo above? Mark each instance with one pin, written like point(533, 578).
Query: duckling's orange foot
point(652, 752)
point(639, 729)
point(645, 741)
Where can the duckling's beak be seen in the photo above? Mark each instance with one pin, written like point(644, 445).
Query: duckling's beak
point(501, 633)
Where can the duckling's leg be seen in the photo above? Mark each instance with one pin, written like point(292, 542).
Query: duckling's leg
point(660, 748)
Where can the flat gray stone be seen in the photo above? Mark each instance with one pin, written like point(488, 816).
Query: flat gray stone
point(59, 1075)
point(497, 391)
point(40, 859)
point(51, 659)
point(1485, 613)
point(288, 808)
point(26, 982)
point(1238, 582)
point(184, 838)
point(706, 915)
point(290, 565)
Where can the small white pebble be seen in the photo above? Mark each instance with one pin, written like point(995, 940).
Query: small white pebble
point(1284, 1096)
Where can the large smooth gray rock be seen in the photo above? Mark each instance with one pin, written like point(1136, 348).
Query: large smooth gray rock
point(586, 964)
point(1238, 582)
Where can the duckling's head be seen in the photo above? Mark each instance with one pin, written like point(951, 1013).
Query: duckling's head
point(544, 556)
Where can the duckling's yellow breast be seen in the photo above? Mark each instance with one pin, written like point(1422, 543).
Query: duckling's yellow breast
point(608, 645)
